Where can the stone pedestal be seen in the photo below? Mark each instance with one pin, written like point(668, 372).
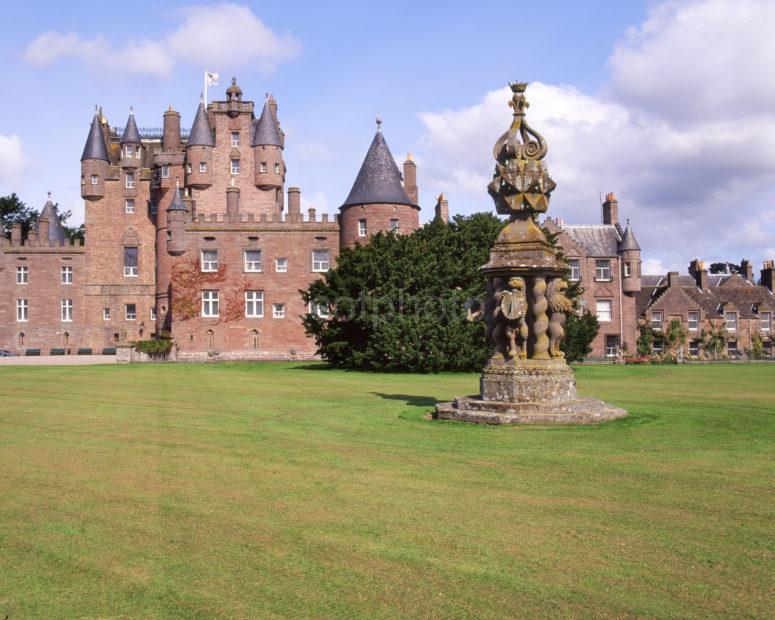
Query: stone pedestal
point(528, 392)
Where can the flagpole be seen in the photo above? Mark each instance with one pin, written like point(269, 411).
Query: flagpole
point(205, 88)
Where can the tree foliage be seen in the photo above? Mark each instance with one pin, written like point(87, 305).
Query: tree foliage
point(399, 302)
point(725, 267)
point(14, 211)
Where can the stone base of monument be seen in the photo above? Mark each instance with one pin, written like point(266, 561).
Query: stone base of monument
point(528, 392)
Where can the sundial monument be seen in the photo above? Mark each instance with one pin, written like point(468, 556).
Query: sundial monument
point(527, 379)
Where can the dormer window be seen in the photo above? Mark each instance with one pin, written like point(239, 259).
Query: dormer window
point(235, 139)
point(165, 171)
point(235, 166)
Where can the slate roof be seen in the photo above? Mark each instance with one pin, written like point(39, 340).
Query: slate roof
point(55, 231)
point(265, 129)
point(95, 143)
point(177, 203)
point(379, 180)
point(722, 290)
point(598, 240)
point(629, 242)
point(201, 134)
point(131, 135)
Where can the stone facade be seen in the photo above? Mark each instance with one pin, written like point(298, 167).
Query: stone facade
point(192, 235)
point(606, 260)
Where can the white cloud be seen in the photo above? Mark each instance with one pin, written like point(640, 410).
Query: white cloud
point(12, 160)
point(692, 189)
point(653, 267)
point(318, 200)
point(221, 35)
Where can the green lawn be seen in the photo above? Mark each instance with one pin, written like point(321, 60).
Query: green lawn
point(261, 490)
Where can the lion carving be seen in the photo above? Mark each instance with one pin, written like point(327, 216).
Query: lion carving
point(559, 307)
point(509, 312)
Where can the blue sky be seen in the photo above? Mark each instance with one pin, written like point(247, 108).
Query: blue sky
point(431, 70)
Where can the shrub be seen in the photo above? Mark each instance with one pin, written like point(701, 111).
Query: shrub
point(154, 348)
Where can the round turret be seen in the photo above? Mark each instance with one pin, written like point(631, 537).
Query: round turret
point(131, 145)
point(199, 151)
point(94, 162)
point(269, 167)
point(629, 252)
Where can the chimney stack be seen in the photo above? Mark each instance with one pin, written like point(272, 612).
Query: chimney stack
point(294, 203)
point(171, 132)
point(410, 178)
point(746, 270)
point(312, 214)
point(43, 229)
point(611, 210)
point(699, 272)
point(442, 209)
point(16, 234)
point(672, 279)
point(767, 268)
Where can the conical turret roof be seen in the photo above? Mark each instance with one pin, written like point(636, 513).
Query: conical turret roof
point(628, 242)
point(95, 143)
point(265, 133)
point(177, 203)
point(379, 180)
point(56, 232)
point(201, 135)
point(131, 135)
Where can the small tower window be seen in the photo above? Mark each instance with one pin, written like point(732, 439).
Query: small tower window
point(130, 180)
point(361, 228)
point(128, 150)
point(262, 167)
point(235, 166)
point(165, 171)
point(235, 138)
point(627, 270)
point(277, 168)
point(202, 166)
point(94, 179)
point(394, 224)
point(129, 205)
point(188, 168)
point(153, 313)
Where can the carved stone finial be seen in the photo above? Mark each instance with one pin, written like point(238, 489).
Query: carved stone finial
point(379, 124)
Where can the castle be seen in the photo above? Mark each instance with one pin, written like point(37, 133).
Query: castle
point(192, 235)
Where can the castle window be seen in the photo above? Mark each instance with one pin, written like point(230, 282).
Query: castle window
point(627, 270)
point(165, 171)
point(153, 313)
point(128, 150)
point(278, 311)
point(129, 205)
point(130, 180)
point(253, 260)
point(320, 310)
point(130, 312)
point(732, 348)
point(67, 275)
point(130, 262)
point(765, 321)
point(254, 304)
point(657, 347)
point(320, 260)
point(277, 168)
point(235, 166)
point(611, 345)
point(575, 269)
point(730, 318)
point(21, 275)
point(281, 265)
point(361, 228)
point(94, 179)
point(202, 166)
point(210, 303)
point(138, 152)
point(694, 320)
point(657, 319)
point(603, 310)
point(152, 207)
point(262, 166)
point(694, 348)
point(22, 306)
point(394, 224)
point(106, 314)
point(603, 269)
point(188, 168)
point(209, 260)
point(235, 138)
point(67, 310)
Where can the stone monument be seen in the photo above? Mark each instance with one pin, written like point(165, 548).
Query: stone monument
point(527, 379)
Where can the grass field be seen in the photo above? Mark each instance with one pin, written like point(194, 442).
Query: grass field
point(260, 490)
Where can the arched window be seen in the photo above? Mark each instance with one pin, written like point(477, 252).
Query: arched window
point(254, 338)
point(210, 339)
point(21, 339)
point(67, 339)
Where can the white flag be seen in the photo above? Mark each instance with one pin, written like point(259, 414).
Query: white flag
point(211, 79)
